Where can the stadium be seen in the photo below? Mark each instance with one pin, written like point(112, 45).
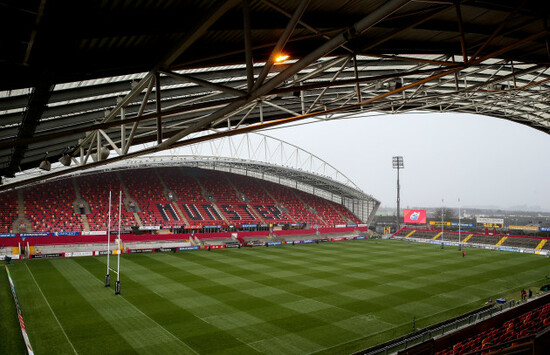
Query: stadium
point(145, 208)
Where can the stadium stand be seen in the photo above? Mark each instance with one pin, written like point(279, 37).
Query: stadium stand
point(251, 190)
point(510, 328)
point(511, 333)
point(525, 242)
point(8, 211)
point(167, 197)
point(217, 185)
point(146, 189)
point(184, 185)
point(345, 213)
point(224, 196)
point(191, 201)
point(49, 207)
point(94, 189)
point(484, 239)
point(468, 238)
point(289, 199)
point(143, 185)
point(325, 212)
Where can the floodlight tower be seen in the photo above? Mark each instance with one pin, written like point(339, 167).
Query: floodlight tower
point(442, 213)
point(459, 245)
point(397, 164)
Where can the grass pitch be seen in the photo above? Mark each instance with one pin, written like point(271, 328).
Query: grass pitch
point(331, 298)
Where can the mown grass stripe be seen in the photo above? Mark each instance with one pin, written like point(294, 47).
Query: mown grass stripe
point(138, 329)
point(87, 330)
point(230, 304)
point(11, 340)
point(317, 335)
point(51, 310)
point(171, 287)
point(326, 298)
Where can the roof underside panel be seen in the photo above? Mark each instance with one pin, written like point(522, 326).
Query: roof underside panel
point(117, 74)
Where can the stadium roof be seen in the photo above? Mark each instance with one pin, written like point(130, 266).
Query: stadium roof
point(82, 79)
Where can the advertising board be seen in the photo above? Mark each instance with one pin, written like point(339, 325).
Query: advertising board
point(44, 256)
point(94, 233)
point(524, 228)
point(138, 251)
point(79, 253)
point(37, 234)
point(438, 223)
point(456, 224)
point(481, 220)
point(214, 226)
point(166, 250)
point(188, 248)
point(65, 234)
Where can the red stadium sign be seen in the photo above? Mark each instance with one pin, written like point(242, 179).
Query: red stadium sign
point(415, 216)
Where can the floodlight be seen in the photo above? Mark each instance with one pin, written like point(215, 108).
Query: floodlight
point(397, 162)
point(281, 57)
point(45, 165)
point(104, 153)
point(65, 160)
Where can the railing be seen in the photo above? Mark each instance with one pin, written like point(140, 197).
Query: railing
point(440, 329)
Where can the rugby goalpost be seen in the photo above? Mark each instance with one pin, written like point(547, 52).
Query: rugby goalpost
point(119, 251)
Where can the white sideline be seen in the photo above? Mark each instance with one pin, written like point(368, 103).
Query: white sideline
point(50, 307)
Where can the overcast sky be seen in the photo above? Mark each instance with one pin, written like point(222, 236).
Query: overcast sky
point(484, 161)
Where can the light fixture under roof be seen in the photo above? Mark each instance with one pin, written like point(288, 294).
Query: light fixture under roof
point(65, 159)
point(45, 165)
point(281, 57)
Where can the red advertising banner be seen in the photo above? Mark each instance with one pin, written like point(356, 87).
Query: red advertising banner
point(415, 216)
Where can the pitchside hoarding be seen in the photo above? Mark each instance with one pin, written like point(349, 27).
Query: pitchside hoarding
point(415, 216)
point(439, 223)
point(492, 221)
point(524, 228)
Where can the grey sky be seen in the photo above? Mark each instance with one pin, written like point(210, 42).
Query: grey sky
point(483, 161)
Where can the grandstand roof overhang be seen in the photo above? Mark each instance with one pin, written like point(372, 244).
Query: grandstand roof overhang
point(240, 166)
point(80, 78)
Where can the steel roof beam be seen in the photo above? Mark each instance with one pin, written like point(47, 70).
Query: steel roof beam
point(31, 118)
point(300, 9)
point(165, 63)
point(374, 17)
